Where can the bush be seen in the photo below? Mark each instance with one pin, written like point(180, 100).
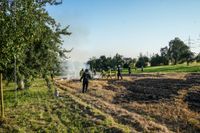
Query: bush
point(159, 60)
point(139, 64)
point(142, 61)
point(198, 58)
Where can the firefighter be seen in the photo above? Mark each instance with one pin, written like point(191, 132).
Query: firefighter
point(109, 73)
point(129, 70)
point(85, 77)
point(119, 72)
point(103, 74)
point(142, 68)
point(81, 72)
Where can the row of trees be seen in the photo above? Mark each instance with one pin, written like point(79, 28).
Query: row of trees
point(30, 41)
point(176, 52)
point(105, 63)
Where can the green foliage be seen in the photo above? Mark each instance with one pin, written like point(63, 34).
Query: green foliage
point(194, 67)
point(158, 60)
point(39, 111)
point(187, 56)
point(31, 37)
point(105, 63)
point(142, 61)
point(164, 51)
point(198, 58)
point(118, 60)
point(178, 51)
point(129, 62)
point(164, 55)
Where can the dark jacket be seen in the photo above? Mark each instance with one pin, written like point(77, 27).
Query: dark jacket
point(86, 76)
point(118, 70)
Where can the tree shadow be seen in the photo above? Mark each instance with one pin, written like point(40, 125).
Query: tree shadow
point(151, 89)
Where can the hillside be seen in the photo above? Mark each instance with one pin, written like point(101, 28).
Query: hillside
point(195, 67)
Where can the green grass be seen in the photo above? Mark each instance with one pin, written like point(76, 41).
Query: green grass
point(168, 69)
point(37, 110)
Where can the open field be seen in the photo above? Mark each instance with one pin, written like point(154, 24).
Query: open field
point(195, 67)
point(99, 66)
point(146, 102)
point(139, 103)
point(37, 110)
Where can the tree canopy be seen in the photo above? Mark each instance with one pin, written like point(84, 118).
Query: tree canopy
point(105, 63)
point(142, 61)
point(178, 51)
point(198, 58)
point(29, 37)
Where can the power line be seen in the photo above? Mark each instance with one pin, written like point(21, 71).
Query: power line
point(191, 43)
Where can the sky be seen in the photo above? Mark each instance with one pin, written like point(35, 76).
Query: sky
point(127, 27)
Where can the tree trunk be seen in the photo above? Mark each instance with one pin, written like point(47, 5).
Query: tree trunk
point(27, 83)
point(188, 63)
point(175, 61)
point(20, 84)
point(48, 82)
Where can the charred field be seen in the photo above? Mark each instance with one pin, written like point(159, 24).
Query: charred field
point(150, 103)
point(144, 102)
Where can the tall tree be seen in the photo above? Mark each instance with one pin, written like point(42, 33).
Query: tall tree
point(198, 58)
point(118, 59)
point(177, 50)
point(156, 60)
point(187, 56)
point(164, 51)
point(142, 61)
point(31, 37)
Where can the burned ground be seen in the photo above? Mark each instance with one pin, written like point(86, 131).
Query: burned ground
point(146, 102)
point(150, 90)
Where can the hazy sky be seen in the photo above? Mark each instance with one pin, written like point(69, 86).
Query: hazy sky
point(127, 27)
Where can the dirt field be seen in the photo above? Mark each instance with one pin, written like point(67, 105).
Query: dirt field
point(145, 102)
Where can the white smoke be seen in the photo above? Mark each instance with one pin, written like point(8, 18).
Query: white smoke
point(71, 69)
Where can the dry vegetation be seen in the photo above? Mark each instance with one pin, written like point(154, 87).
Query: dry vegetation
point(145, 102)
point(37, 110)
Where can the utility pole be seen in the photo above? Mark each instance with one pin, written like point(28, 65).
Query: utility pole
point(198, 40)
point(189, 42)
